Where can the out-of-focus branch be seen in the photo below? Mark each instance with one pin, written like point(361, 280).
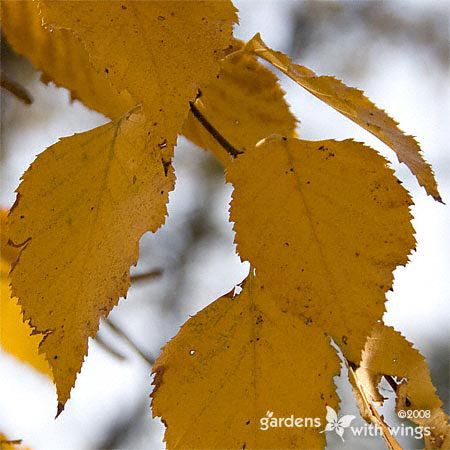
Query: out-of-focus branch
point(107, 347)
point(15, 89)
point(155, 273)
point(149, 359)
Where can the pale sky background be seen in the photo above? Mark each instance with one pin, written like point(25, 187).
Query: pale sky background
point(400, 78)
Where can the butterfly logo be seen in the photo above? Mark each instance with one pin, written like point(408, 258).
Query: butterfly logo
point(337, 424)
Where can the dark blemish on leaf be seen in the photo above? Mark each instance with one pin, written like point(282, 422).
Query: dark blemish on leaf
point(134, 179)
point(162, 192)
point(244, 445)
point(161, 18)
point(286, 244)
point(124, 7)
point(259, 319)
point(344, 339)
point(356, 254)
point(308, 321)
point(22, 217)
point(55, 357)
point(248, 422)
point(291, 169)
point(166, 165)
point(155, 123)
point(308, 182)
point(322, 148)
point(407, 402)
point(92, 208)
point(284, 138)
point(106, 70)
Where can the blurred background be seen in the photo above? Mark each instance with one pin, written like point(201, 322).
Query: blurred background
point(398, 53)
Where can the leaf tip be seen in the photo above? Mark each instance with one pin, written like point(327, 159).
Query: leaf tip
point(59, 409)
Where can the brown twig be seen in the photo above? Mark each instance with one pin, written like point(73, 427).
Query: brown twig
point(391, 442)
point(232, 151)
point(146, 275)
point(15, 89)
point(392, 383)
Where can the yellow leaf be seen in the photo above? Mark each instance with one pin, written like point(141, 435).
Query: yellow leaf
point(15, 335)
point(233, 364)
point(387, 352)
point(81, 209)
point(324, 223)
point(244, 103)
point(353, 104)
point(61, 57)
point(160, 52)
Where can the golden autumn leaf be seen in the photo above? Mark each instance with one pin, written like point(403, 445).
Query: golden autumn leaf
point(353, 104)
point(81, 209)
point(15, 335)
point(171, 49)
point(237, 361)
point(61, 57)
point(245, 103)
point(324, 223)
point(388, 353)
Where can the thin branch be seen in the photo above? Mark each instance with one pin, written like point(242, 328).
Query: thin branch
point(232, 151)
point(392, 383)
point(15, 89)
point(107, 347)
point(146, 275)
point(391, 443)
point(114, 327)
